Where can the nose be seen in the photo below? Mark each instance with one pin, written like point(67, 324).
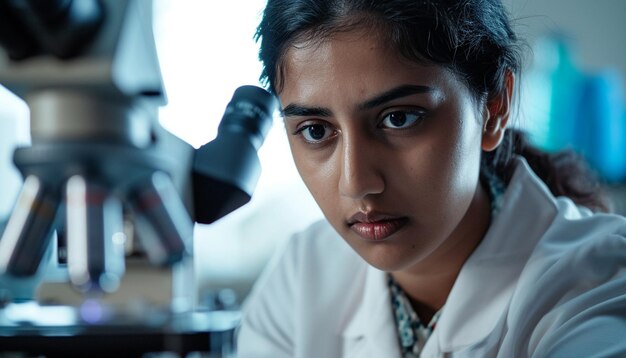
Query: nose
point(361, 163)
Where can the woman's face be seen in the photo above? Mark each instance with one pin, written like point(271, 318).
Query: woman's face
point(389, 149)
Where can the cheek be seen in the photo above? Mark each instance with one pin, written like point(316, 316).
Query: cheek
point(431, 182)
point(445, 173)
point(318, 174)
point(303, 164)
point(464, 164)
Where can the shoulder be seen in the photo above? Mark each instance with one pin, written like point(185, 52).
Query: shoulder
point(552, 225)
point(316, 236)
point(315, 251)
point(313, 273)
point(579, 238)
point(570, 298)
point(319, 243)
point(572, 292)
point(316, 259)
point(576, 251)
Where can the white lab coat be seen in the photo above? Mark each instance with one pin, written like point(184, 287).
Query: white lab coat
point(548, 280)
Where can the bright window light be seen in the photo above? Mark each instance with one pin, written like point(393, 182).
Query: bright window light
point(206, 50)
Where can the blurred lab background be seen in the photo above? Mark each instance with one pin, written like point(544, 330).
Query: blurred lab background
point(572, 97)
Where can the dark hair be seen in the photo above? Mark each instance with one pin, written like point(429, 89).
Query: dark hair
point(473, 38)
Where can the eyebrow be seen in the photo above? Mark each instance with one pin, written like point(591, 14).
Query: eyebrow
point(394, 93)
point(295, 110)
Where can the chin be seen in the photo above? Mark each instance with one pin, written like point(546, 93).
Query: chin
point(389, 257)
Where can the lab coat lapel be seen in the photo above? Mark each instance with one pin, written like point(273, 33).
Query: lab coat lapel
point(371, 331)
point(484, 287)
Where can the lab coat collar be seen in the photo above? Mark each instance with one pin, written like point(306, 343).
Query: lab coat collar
point(473, 309)
point(372, 324)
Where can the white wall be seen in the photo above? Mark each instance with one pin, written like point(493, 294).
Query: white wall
point(207, 50)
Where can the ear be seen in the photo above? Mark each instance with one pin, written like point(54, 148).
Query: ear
point(497, 115)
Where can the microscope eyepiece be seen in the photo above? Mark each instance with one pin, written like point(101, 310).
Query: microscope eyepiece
point(227, 169)
point(249, 112)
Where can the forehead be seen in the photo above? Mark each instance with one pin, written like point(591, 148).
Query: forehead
point(356, 63)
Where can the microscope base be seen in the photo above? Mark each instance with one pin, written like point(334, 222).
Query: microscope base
point(210, 333)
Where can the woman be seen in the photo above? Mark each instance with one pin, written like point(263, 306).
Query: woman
point(458, 239)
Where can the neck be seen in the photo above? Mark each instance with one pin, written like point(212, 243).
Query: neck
point(429, 282)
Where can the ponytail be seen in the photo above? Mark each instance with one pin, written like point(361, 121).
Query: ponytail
point(565, 173)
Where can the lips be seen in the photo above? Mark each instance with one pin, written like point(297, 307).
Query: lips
point(374, 226)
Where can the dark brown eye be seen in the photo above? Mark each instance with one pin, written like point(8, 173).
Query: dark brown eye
point(400, 119)
point(397, 119)
point(315, 133)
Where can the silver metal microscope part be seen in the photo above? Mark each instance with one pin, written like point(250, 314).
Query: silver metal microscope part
point(163, 224)
point(74, 115)
point(95, 236)
point(93, 112)
point(28, 231)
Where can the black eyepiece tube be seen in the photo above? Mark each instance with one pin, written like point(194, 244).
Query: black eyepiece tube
point(250, 112)
point(227, 169)
point(50, 9)
point(15, 37)
point(62, 28)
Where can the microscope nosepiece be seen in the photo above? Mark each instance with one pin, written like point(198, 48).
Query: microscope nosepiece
point(162, 222)
point(29, 229)
point(95, 253)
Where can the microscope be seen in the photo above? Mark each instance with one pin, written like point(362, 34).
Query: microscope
point(105, 184)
